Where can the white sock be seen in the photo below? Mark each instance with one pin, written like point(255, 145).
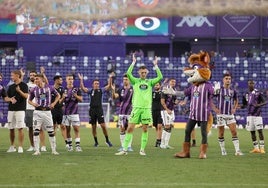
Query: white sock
point(36, 143)
point(167, 138)
point(122, 138)
point(255, 144)
point(236, 144)
point(52, 141)
point(163, 139)
point(222, 144)
point(77, 141)
point(261, 144)
point(69, 141)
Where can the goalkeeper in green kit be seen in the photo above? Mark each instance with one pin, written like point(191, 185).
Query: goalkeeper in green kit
point(141, 104)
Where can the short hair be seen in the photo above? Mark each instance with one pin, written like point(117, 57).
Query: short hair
point(96, 80)
point(172, 78)
point(57, 77)
point(159, 83)
point(70, 75)
point(227, 74)
point(125, 76)
point(39, 75)
point(142, 67)
point(17, 72)
point(32, 71)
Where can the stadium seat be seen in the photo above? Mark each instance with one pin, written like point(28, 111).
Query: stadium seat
point(3, 61)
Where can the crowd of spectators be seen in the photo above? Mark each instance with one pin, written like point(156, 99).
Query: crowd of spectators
point(11, 53)
point(29, 24)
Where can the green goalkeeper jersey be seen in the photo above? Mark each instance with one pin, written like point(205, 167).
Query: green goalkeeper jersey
point(143, 88)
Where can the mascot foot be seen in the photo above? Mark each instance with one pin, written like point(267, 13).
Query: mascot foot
point(203, 151)
point(185, 153)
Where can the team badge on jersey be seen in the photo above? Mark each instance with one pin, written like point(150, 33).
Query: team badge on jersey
point(43, 96)
point(196, 94)
point(143, 86)
point(227, 98)
point(122, 92)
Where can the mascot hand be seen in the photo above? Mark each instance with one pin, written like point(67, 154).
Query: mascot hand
point(171, 91)
point(168, 91)
point(217, 87)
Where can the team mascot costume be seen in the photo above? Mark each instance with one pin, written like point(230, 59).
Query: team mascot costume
point(200, 93)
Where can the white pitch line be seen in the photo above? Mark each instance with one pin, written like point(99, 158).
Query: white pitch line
point(140, 185)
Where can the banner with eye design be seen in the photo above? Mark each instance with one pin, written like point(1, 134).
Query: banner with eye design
point(147, 25)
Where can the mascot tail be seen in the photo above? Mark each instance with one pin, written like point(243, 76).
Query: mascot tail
point(209, 124)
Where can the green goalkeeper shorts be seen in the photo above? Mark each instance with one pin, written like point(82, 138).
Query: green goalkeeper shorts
point(141, 115)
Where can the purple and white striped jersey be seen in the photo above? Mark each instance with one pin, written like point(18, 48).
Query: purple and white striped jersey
point(225, 100)
point(70, 102)
point(255, 97)
point(169, 100)
point(43, 95)
point(125, 98)
point(201, 99)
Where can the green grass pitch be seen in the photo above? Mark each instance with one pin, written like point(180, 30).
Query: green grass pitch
point(99, 167)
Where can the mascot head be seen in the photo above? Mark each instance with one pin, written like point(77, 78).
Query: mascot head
point(199, 70)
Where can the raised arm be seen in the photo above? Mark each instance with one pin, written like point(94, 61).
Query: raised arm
point(158, 72)
point(42, 71)
point(82, 86)
point(22, 71)
point(114, 94)
point(130, 69)
point(109, 85)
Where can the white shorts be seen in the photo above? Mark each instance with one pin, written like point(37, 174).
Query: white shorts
point(43, 119)
point(168, 119)
point(72, 119)
point(16, 119)
point(254, 123)
point(224, 119)
point(122, 119)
